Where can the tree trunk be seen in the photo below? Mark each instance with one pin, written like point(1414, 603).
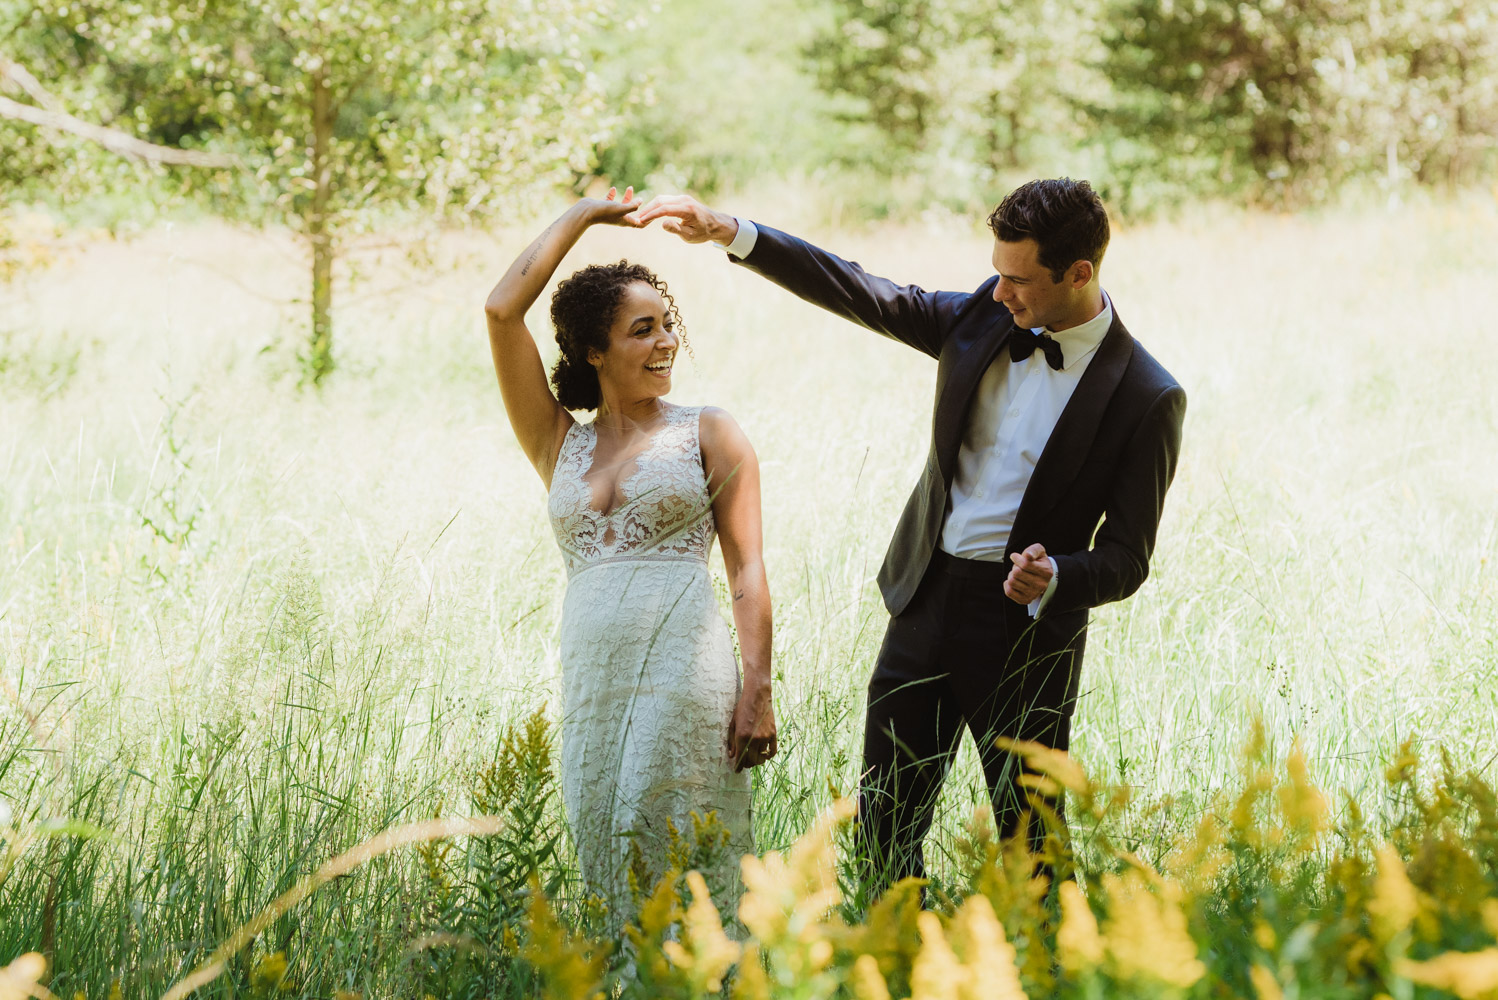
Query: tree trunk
point(320, 355)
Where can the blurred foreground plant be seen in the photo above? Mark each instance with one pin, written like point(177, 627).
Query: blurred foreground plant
point(1265, 897)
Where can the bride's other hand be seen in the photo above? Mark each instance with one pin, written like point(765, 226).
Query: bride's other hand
point(612, 211)
point(752, 738)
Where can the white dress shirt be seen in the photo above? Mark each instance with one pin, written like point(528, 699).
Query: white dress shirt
point(1012, 416)
point(1011, 419)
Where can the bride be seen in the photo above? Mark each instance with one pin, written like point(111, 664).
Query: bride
point(657, 724)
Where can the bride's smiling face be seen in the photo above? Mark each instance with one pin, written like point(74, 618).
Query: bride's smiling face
point(642, 346)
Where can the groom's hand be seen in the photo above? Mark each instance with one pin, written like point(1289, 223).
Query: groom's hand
point(688, 218)
point(1030, 575)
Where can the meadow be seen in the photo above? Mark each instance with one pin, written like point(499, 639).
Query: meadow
point(244, 626)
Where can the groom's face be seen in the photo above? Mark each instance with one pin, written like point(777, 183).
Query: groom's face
point(1026, 288)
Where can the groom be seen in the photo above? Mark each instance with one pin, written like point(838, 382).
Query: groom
point(1049, 419)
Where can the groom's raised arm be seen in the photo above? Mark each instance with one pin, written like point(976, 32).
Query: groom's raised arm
point(906, 313)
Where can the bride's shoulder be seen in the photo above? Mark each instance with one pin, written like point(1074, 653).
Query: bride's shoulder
point(712, 416)
point(718, 431)
point(700, 415)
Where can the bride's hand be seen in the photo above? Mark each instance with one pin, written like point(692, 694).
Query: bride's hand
point(751, 733)
point(611, 211)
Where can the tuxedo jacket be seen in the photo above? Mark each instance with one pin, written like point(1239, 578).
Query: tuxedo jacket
point(1109, 459)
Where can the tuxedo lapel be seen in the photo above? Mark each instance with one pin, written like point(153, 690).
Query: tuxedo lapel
point(1071, 440)
point(955, 388)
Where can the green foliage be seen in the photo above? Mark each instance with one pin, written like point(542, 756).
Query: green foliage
point(478, 898)
point(719, 96)
point(885, 55)
point(1284, 102)
point(337, 112)
point(1214, 95)
point(961, 95)
point(346, 115)
point(1417, 82)
point(39, 366)
point(1264, 898)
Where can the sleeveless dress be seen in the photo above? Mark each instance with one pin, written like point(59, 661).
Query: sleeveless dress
point(648, 670)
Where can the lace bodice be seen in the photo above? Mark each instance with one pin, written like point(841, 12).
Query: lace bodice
point(665, 510)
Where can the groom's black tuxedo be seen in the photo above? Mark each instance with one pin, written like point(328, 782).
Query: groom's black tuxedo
point(1110, 458)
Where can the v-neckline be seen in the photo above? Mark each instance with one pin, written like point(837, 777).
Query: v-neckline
point(621, 487)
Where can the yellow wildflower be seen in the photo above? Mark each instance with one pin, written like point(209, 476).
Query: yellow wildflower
point(1303, 805)
point(1265, 985)
point(1470, 975)
point(18, 980)
point(751, 983)
point(1078, 943)
point(269, 972)
point(786, 894)
point(1243, 818)
point(1395, 901)
point(1039, 784)
point(1195, 860)
point(1264, 936)
point(707, 953)
point(936, 974)
point(974, 963)
point(570, 969)
point(888, 934)
point(1402, 770)
point(1146, 931)
point(978, 938)
point(867, 983)
point(662, 907)
point(1055, 764)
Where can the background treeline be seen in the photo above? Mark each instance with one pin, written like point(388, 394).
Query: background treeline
point(456, 105)
point(1277, 101)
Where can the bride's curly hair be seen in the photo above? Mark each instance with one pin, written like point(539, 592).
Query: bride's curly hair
point(583, 308)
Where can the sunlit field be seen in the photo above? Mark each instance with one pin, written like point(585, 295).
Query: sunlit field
point(244, 625)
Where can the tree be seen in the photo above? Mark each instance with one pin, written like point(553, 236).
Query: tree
point(1419, 79)
point(1223, 95)
point(48, 113)
point(986, 83)
point(339, 109)
point(1283, 101)
point(750, 112)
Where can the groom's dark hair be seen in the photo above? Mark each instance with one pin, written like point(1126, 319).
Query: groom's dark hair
point(1065, 217)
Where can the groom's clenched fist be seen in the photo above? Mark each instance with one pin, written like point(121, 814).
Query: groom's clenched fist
point(690, 219)
point(1030, 575)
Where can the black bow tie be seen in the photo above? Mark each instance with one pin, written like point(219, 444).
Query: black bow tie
point(1022, 344)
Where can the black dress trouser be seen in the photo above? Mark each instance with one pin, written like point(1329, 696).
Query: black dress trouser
point(960, 655)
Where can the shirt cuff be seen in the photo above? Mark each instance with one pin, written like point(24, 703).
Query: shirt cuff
point(1038, 605)
point(743, 241)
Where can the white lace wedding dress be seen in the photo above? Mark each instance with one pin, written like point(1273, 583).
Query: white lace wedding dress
point(648, 670)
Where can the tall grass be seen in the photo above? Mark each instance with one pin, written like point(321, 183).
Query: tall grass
point(243, 627)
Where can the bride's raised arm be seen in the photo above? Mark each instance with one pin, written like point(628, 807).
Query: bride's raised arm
point(539, 420)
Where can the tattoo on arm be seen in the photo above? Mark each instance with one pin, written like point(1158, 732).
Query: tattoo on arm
point(738, 595)
point(536, 249)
